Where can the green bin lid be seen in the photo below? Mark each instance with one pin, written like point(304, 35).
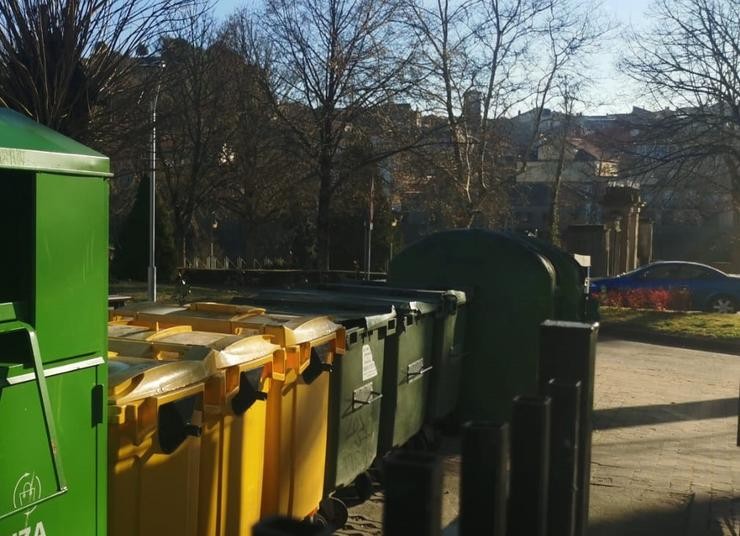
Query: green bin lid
point(344, 301)
point(376, 289)
point(28, 145)
point(367, 319)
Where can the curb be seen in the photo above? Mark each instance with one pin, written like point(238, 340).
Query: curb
point(640, 335)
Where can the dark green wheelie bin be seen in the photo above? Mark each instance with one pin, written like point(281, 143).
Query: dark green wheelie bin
point(448, 342)
point(356, 384)
point(408, 355)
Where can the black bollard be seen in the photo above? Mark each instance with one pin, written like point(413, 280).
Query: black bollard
point(285, 526)
point(568, 352)
point(413, 500)
point(564, 423)
point(530, 450)
point(484, 479)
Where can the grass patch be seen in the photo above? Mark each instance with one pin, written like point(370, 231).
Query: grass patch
point(690, 325)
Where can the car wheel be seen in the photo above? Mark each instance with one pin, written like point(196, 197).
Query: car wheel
point(722, 304)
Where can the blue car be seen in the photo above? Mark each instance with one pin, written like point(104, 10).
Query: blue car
point(710, 289)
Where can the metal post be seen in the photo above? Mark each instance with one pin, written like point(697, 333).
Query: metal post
point(565, 397)
point(370, 218)
point(484, 479)
point(530, 450)
point(152, 272)
point(413, 500)
point(568, 352)
point(214, 226)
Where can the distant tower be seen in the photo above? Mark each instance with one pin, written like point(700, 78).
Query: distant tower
point(472, 110)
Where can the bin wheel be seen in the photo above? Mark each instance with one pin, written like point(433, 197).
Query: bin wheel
point(317, 520)
point(332, 513)
point(363, 486)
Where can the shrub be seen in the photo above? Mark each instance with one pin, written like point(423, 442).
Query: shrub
point(658, 299)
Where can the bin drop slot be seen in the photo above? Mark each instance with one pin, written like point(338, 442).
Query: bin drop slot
point(364, 396)
point(416, 370)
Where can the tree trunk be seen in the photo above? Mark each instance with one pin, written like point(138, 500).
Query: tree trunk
point(554, 230)
point(324, 211)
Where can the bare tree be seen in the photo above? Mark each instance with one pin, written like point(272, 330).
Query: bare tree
point(334, 61)
point(483, 58)
point(568, 95)
point(60, 58)
point(195, 129)
point(262, 163)
point(689, 62)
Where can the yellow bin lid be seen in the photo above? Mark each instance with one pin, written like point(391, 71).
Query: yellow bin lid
point(131, 378)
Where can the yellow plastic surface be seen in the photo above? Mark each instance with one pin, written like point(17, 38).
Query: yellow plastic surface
point(295, 416)
point(231, 473)
point(295, 456)
point(232, 446)
point(149, 492)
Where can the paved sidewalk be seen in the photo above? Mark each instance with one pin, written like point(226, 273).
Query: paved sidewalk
point(664, 459)
point(664, 455)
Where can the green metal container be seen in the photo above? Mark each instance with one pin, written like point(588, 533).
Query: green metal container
point(408, 354)
point(571, 282)
point(356, 381)
point(355, 396)
point(448, 340)
point(356, 388)
point(514, 291)
point(53, 308)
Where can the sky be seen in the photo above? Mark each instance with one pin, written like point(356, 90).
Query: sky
point(611, 91)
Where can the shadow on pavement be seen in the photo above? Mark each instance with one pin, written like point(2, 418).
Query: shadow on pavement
point(718, 517)
point(605, 419)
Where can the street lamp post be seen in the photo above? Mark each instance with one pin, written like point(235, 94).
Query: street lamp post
point(370, 222)
point(152, 271)
point(214, 226)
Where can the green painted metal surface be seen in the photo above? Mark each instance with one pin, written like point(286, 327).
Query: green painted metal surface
point(27, 145)
point(408, 355)
point(448, 339)
point(356, 388)
point(354, 406)
point(53, 291)
point(510, 292)
point(71, 265)
point(570, 284)
point(408, 364)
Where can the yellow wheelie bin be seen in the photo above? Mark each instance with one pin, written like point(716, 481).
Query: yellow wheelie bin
point(155, 416)
point(233, 441)
point(297, 404)
point(203, 316)
point(295, 457)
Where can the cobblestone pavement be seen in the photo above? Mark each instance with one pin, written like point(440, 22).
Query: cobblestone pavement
point(664, 458)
